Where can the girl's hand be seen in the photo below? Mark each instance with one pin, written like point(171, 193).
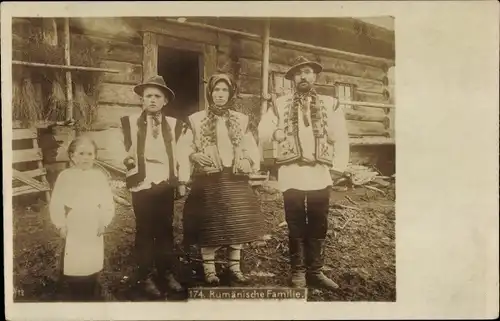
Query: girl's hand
point(201, 159)
point(63, 231)
point(100, 230)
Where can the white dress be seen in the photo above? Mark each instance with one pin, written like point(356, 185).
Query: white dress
point(81, 201)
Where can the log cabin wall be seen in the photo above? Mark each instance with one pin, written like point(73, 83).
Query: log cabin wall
point(127, 44)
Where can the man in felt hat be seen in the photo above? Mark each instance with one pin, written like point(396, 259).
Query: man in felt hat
point(157, 168)
point(312, 144)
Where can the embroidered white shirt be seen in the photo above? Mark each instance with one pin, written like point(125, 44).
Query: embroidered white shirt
point(308, 178)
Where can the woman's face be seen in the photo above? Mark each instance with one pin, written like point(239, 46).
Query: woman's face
point(153, 99)
point(84, 155)
point(220, 94)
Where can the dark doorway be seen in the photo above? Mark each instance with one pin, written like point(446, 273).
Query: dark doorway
point(181, 71)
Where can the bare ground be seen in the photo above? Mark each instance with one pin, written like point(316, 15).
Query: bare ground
point(359, 253)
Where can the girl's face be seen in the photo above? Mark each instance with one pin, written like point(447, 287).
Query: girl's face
point(153, 99)
point(220, 94)
point(84, 155)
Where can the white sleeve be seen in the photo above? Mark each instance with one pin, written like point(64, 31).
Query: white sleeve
point(253, 151)
point(267, 126)
point(341, 146)
point(107, 202)
point(56, 206)
point(184, 149)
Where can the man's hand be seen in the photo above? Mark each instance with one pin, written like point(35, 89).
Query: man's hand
point(201, 159)
point(181, 190)
point(63, 231)
point(129, 162)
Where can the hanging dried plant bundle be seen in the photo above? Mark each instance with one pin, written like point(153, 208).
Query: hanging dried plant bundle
point(27, 106)
point(84, 106)
point(56, 106)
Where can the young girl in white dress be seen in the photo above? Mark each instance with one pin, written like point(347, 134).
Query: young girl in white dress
point(81, 208)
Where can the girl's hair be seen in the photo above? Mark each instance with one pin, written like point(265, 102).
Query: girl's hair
point(79, 140)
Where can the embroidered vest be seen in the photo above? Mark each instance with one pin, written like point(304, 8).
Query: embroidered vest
point(134, 131)
point(195, 122)
point(290, 150)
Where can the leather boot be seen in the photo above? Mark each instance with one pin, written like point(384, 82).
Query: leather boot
point(172, 283)
point(314, 255)
point(297, 262)
point(149, 287)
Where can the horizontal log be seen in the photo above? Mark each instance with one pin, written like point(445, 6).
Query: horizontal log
point(108, 116)
point(26, 155)
point(118, 94)
point(372, 140)
point(18, 134)
point(365, 128)
point(251, 49)
point(128, 73)
point(109, 49)
point(363, 84)
point(361, 116)
point(185, 32)
point(370, 97)
point(117, 28)
point(180, 44)
point(249, 85)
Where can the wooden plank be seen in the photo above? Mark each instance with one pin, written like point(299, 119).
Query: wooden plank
point(370, 97)
point(116, 27)
point(109, 49)
point(110, 114)
point(36, 172)
point(26, 155)
point(210, 59)
point(176, 30)
point(118, 94)
point(250, 85)
point(178, 43)
point(150, 56)
point(365, 128)
point(29, 133)
point(129, 73)
point(23, 190)
point(371, 140)
point(363, 84)
point(40, 186)
point(345, 67)
point(361, 116)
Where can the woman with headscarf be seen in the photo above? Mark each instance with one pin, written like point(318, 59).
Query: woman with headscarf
point(222, 210)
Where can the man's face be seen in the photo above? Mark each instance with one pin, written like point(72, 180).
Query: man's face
point(153, 99)
point(304, 78)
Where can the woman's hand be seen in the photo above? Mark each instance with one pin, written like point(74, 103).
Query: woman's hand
point(181, 190)
point(100, 230)
point(201, 159)
point(63, 231)
point(245, 166)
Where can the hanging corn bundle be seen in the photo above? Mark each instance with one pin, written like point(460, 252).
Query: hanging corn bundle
point(56, 108)
point(26, 103)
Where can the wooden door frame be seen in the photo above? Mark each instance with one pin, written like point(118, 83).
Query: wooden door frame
point(207, 58)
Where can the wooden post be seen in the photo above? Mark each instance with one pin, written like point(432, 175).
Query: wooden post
point(150, 56)
point(67, 60)
point(265, 67)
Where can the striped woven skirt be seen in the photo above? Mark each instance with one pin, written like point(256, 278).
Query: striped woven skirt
point(221, 209)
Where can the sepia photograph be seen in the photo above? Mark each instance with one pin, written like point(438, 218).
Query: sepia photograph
point(157, 155)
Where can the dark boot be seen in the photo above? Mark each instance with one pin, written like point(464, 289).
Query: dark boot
point(315, 277)
point(149, 287)
point(172, 283)
point(297, 262)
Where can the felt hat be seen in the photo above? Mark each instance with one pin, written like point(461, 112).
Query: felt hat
point(301, 62)
point(158, 82)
